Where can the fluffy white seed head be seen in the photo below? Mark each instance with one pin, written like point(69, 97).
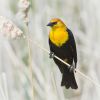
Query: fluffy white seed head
point(24, 6)
point(8, 28)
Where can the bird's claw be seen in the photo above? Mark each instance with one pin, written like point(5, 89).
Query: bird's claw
point(72, 68)
point(51, 55)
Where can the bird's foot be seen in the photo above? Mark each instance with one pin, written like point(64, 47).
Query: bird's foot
point(71, 68)
point(51, 55)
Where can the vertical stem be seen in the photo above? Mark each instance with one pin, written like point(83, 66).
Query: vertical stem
point(30, 62)
point(2, 95)
point(4, 80)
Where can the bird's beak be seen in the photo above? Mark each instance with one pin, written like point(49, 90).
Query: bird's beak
point(51, 24)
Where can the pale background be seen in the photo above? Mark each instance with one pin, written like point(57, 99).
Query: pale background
point(83, 18)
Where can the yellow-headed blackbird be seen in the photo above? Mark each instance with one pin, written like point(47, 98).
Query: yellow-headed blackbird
point(62, 44)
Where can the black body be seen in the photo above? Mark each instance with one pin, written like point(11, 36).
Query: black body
point(68, 53)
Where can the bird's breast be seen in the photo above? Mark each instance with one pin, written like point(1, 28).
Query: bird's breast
point(59, 37)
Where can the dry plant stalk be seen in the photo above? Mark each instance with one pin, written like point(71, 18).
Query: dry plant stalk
point(24, 6)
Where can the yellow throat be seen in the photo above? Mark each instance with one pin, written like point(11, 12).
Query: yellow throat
point(58, 36)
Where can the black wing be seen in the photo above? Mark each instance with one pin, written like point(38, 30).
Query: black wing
point(72, 45)
point(50, 45)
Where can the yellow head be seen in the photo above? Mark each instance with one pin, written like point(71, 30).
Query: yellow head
point(58, 34)
point(56, 23)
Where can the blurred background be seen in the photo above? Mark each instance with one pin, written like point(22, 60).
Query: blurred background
point(83, 18)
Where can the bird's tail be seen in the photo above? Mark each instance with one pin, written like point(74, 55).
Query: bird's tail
point(68, 80)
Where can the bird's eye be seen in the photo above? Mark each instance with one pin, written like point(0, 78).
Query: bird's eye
point(54, 23)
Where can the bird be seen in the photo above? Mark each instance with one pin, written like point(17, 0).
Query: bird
point(62, 44)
